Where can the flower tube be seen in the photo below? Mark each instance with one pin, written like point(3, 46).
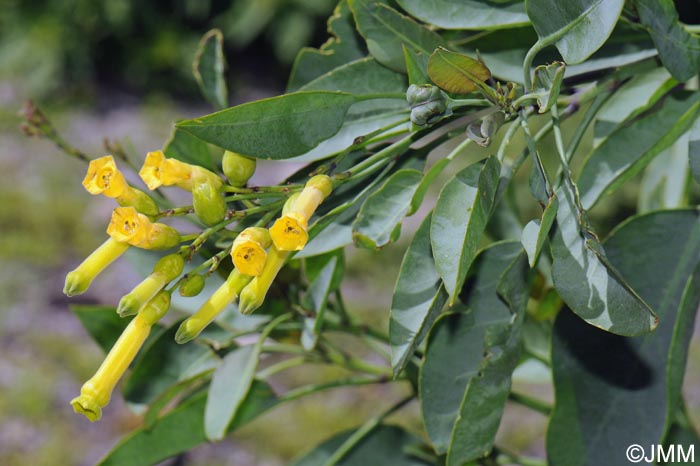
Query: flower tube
point(249, 250)
point(129, 226)
point(166, 269)
point(79, 279)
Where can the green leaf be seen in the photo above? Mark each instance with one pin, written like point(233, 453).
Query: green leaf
point(187, 148)
point(694, 150)
point(577, 27)
point(378, 222)
point(182, 429)
point(228, 389)
point(586, 281)
point(679, 50)
point(163, 364)
point(416, 66)
point(419, 298)
point(208, 68)
point(385, 446)
point(638, 94)
point(626, 382)
point(102, 323)
point(467, 14)
point(425, 184)
point(277, 128)
point(363, 76)
point(465, 379)
point(536, 231)
point(629, 148)
point(387, 31)
point(665, 181)
point(344, 46)
point(456, 72)
point(547, 83)
point(459, 220)
point(325, 280)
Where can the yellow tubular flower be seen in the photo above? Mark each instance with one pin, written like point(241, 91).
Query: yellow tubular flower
point(78, 280)
point(165, 270)
point(253, 295)
point(222, 297)
point(129, 226)
point(96, 392)
point(249, 250)
point(289, 233)
point(238, 168)
point(157, 170)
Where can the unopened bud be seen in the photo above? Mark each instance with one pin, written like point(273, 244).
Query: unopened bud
point(238, 168)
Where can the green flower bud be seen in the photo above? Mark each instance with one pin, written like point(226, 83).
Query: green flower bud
point(209, 203)
point(170, 266)
point(428, 103)
point(139, 200)
point(192, 286)
point(165, 270)
point(238, 168)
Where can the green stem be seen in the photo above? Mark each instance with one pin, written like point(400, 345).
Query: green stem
point(381, 95)
point(457, 103)
point(357, 436)
point(507, 138)
point(390, 151)
point(527, 62)
point(532, 403)
point(315, 388)
point(286, 189)
point(592, 111)
point(281, 366)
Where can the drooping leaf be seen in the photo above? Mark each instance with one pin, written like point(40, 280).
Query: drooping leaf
point(277, 128)
point(665, 181)
point(679, 50)
point(459, 220)
point(102, 323)
point(209, 67)
point(378, 222)
point(621, 381)
point(183, 146)
point(547, 83)
point(182, 429)
point(577, 27)
point(465, 379)
point(419, 298)
point(586, 281)
point(344, 46)
point(536, 231)
point(467, 14)
point(385, 445)
point(316, 297)
point(387, 31)
point(456, 72)
point(629, 148)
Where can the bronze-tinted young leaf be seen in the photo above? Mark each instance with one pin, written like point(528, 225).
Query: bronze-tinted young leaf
point(208, 69)
point(456, 72)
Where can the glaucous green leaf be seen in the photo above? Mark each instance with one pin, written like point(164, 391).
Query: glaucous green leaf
point(416, 66)
point(378, 222)
point(102, 323)
point(183, 146)
point(679, 50)
point(468, 14)
point(229, 386)
point(425, 184)
point(459, 220)
point(316, 298)
point(466, 376)
point(344, 46)
point(625, 382)
point(182, 429)
point(536, 231)
point(547, 84)
point(276, 128)
point(419, 297)
point(631, 147)
point(385, 446)
point(362, 76)
point(456, 72)
point(694, 150)
point(209, 67)
point(387, 31)
point(577, 27)
point(665, 181)
point(586, 281)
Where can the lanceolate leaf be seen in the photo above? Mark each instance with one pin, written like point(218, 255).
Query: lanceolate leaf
point(694, 150)
point(387, 32)
point(626, 382)
point(459, 220)
point(585, 280)
point(536, 231)
point(467, 14)
point(379, 221)
point(183, 146)
point(679, 50)
point(316, 298)
point(456, 72)
point(629, 148)
point(208, 68)
point(577, 27)
point(419, 297)
point(416, 66)
point(182, 429)
point(665, 181)
point(363, 76)
point(277, 128)
point(465, 379)
point(102, 323)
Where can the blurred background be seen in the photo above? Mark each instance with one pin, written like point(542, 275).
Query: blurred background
point(121, 70)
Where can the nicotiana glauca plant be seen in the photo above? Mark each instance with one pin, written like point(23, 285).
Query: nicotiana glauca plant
point(481, 291)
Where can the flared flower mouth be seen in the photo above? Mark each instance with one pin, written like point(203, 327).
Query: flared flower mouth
point(151, 171)
point(249, 258)
point(103, 177)
point(289, 232)
point(127, 225)
point(87, 406)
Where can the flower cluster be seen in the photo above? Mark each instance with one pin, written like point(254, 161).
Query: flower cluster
point(256, 252)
